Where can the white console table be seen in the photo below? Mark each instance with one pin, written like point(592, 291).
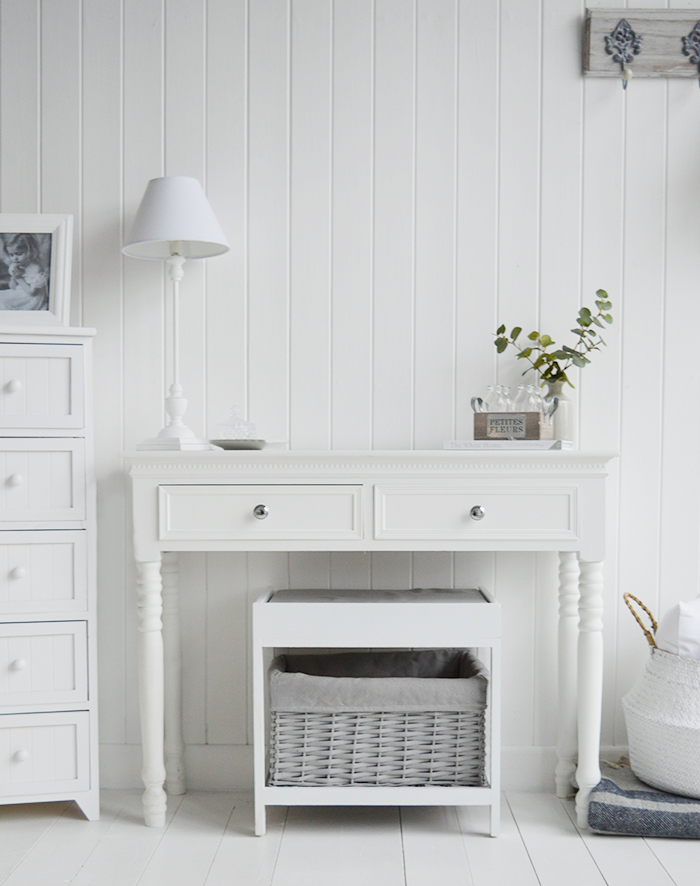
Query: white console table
point(274, 500)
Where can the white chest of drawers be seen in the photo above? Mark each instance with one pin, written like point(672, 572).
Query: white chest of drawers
point(48, 675)
point(369, 501)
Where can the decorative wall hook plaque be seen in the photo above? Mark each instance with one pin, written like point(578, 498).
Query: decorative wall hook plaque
point(661, 37)
point(691, 47)
point(623, 44)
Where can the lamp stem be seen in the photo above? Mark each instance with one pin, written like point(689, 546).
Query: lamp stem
point(176, 271)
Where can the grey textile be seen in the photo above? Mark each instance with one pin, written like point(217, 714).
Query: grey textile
point(622, 804)
point(455, 681)
point(409, 595)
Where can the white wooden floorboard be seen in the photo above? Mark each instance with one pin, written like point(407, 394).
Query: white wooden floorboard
point(188, 848)
point(58, 856)
point(624, 861)
point(123, 854)
point(244, 859)
point(495, 861)
point(681, 858)
point(432, 848)
point(21, 826)
point(342, 846)
point(555, 847)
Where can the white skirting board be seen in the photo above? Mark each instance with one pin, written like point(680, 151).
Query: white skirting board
point(230, 767)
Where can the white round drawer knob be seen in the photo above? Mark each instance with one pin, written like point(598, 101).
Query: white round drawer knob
point(13, 385)
point(477, 513)
point(19, 664)
point(261, 511)
point(15, 480)
point(21, 756)
point(18, 572)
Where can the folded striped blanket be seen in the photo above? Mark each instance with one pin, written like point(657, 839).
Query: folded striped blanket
point(621, 804)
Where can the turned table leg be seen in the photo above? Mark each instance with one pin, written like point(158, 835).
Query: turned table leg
point(151, 693)
point(590, 684)
point(172, 654)
point(567, 695)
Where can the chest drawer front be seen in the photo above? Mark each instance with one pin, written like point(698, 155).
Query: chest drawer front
point(41, 481)
point(476, 512)
point(290, 512)
point(42, 753)
point(43, 571)
point(43, 663)
point(41, 386)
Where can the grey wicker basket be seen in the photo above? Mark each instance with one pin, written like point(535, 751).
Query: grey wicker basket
point(396, 718)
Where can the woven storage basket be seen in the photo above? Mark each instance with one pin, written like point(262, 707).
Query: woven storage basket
point(407, 718)
point(662, 715)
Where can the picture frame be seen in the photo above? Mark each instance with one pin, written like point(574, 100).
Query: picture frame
point(35, 269)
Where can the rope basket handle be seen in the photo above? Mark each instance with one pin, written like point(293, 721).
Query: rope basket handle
point(647, 633)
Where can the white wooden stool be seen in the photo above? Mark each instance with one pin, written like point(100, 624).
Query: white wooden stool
point(419, 618)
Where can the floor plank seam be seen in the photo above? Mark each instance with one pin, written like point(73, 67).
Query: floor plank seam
point(522, 839)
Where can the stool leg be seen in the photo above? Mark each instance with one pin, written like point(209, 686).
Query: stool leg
point(259, 735)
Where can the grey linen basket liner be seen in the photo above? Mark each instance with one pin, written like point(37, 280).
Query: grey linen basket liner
point(385, 718)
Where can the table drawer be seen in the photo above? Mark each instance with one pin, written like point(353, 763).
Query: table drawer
point(42, 481)
point(43, 571)
point(43, 663)
point(41, 386)
point(285, 512)
point(475, 512)
point(44, 753)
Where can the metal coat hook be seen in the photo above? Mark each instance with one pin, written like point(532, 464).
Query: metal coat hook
point(691, 47)
point(623, 44)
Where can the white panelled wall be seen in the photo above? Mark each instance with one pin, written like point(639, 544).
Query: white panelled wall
point(396, 178)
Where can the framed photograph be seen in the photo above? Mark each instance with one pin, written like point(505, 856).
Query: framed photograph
point(35, 268)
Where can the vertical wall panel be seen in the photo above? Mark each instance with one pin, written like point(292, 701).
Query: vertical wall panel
point(352, 225)
point(393, 250)
point(310, 236)
point(102, 285)
point(436, 81)
point(477, 205)
point(268, 217)
point(20, 96)
point(61, 134)
point(226, 178)
point(519, 171)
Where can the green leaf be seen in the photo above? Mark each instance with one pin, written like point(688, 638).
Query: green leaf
point(578, 360)
point(525, 353)
point(540, 361)
point(533, 336)
point(601, 293)
point(501, 329)
point(516, 332)
point(501, 344)
point(561, 355)
point(546, 341)
point(607, 318)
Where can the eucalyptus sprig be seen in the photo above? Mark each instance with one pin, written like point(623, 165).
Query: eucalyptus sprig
point(551, 363)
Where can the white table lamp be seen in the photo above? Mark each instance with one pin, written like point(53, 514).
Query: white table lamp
point(174, 223)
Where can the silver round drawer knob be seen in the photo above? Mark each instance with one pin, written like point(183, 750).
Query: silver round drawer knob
point(261, 511)
point(15, 480)
point(477, 513)
point(21, 756)
point(18, 572)
point(13, 385)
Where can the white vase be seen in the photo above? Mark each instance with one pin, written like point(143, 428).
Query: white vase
point(563, 418)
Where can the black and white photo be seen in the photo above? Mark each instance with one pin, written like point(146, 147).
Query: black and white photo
point(35, 261)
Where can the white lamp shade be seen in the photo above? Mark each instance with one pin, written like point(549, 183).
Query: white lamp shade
point(175, 218)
